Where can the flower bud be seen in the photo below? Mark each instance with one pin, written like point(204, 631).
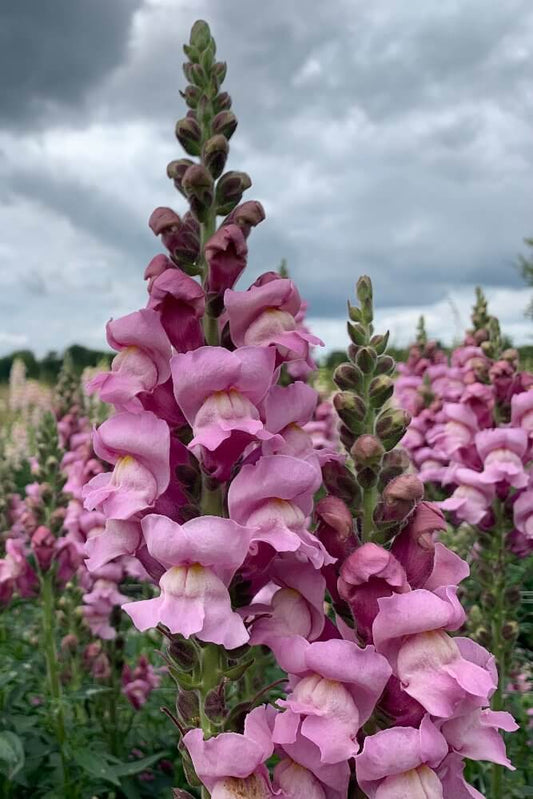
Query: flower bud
point(354, 313)
point(229, 191)
point(225, 122)
point(366, 360)
point(394, 463)
point(69, 643)
point(215, 154)
point(187, 706)
point(357, 333)
point(176, 171)
point(179, 793)
point(183, 653)
point(339, 481)
point(379, 342)
point(400, 497)
point(219, 72)
point(198, 188)
point(246, 216)
point(381, 389)
point(350, 408)
point(191, 95)
point(367, 451)
point(200, 35)
point(348, 376)
point(335, 527)
point(189, 135)
point(363, 290)
point(346, 436)
point(391, 425)
point(384, 365)
point(162, 219)
point(510, 630)
point(215, 704)
point(222, 102)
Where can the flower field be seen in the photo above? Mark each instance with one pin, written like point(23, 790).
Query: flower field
point(227, 571)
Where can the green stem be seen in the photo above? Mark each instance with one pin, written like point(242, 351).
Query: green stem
point(370, 495)
point(52, 673)
point(499, 645)
point(210, 665)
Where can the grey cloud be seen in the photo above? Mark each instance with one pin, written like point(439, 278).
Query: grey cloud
point(52, 53)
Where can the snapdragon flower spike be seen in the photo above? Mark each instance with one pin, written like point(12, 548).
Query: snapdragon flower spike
point(444, 674)
point(138, 444)
point(402, 762)
point(335, 686)
point(200, 558)
point(503, 452)
point(180, 302)
point(231, 764)
point(142, 362)
point(266, 315)
point(275, 497)
point(218, 392)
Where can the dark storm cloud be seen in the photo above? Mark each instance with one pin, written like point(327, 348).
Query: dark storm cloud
point(53, 51)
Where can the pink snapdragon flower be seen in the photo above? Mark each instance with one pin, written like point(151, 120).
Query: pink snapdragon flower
point(119, 537)
point(180, 302)
point(369, 573)
point(401, 762)
point(275, 497)
point(138, 444)
point(98, 605)
point(231, 764)
point(430, 462)
point(472, 498)
point(335, 686)
point(138, 684)
point(288, 412)
point(142, 362)
point(458, 430)
point(296, 606)
point(435, 669)
point(225, 253)
point(503, 452)
point(200, 558)
point(266, 314)
point(522, 411)
point(16, 573)
point(475, 735)
point(300, 772)
point(523, 513)
point(219, 393)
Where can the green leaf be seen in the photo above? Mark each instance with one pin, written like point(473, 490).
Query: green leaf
point(11, 753)
point(95, 765)
point(129, 769)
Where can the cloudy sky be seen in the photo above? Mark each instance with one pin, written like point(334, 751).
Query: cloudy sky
point(391, 138)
